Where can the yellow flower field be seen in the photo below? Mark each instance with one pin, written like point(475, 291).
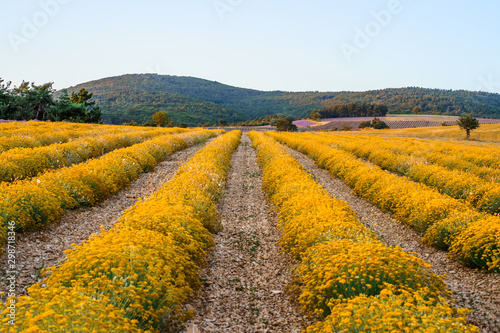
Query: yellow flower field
point(40, 201)
point(139, 272)
point(136, 275)
point(419, 161)
point(342, 264)
point(441, 218)
point(21, 163)
point(37, 134)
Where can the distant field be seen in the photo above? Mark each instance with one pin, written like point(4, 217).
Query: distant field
point(304, 123)
point(398, 122)
point(485, 132)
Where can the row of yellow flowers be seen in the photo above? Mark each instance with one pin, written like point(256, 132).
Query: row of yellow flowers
point(35, 128)
point(134, 277)
point(34, 203)
point(477, 153)
point(344, 270)
point(37, 134)
point(482, 194)
point(444, 220)
point(481, 160)
point(21, 163)
point(27, 127)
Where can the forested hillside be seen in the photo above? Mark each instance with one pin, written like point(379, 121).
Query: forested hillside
point(135, 97)
point(194, 101)
point(431, 101)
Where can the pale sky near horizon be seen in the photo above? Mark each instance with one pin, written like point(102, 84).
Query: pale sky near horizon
point(267, 45)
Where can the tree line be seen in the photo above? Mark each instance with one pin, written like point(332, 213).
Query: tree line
point(350, 110)
point(37, 102)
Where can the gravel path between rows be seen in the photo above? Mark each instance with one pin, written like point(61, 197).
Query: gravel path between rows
point(476, 290)
point(246, 274)
point(44, 248)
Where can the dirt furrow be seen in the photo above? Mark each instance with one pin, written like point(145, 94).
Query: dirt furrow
point(246, 274)
point(476, 290)
point(44, 248)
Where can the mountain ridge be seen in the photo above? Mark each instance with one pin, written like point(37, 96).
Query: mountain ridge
point(194, 101)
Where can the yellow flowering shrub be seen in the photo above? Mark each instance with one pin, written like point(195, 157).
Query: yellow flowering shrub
point(479, 244)
point(414, 204)
point(458, 184)
point(307, 213)
point(181, 221)
point(20, 163)
point(141, 271)
point(147, 265)
point(395, 310)
point(459, 155)
point(40, 201)
point(37, 134)
point(443, 219)
point(68, 310)
point(313, 218)
point(34, 134)
point(337, 270)
point(340, 259)
point(442, 233)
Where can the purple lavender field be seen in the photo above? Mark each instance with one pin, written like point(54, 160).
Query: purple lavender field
point(303, 123)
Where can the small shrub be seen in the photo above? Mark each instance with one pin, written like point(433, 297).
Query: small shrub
point(365, 124)
point(379, 124)
point(345, 127)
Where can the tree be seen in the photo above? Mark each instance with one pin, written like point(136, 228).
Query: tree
point(65, 109)
point(378, 124)
point(416, 110)
point(29, 101)
point(345, 127)
point(5, 100)
point(42, 99)
point(468, 123)
point(222, 122)
point(285, 124)
point(365, 124)
point(92, 111)
point(315, 115)
point(160, 118)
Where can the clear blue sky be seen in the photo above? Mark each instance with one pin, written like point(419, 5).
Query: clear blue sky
point(326, 45)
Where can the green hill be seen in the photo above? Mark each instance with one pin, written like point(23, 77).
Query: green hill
point(194, 101)
point(431, 101)
point(136, 97)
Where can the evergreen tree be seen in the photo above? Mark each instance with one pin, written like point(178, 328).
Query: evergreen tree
point(93, 113)
point(5, 100)
point(65, 109)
